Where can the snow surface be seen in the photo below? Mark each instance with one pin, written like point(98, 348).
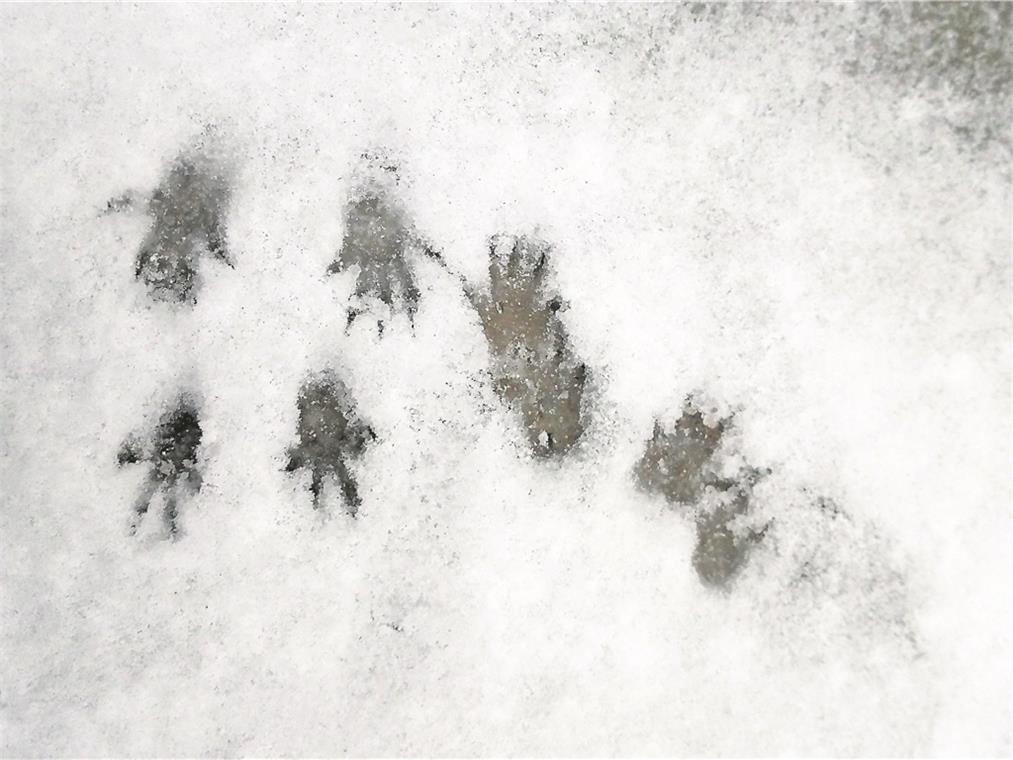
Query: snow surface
point(802, 214)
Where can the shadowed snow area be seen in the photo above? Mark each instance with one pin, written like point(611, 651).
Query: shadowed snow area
point(649, 365)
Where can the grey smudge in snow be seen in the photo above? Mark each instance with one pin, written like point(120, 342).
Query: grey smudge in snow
point(331, 435)
point(724, 538)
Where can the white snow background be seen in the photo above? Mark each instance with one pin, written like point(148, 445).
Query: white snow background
point(765, 206)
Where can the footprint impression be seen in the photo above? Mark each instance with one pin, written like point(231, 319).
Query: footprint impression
point(171, 451)
point(535, 369)
point(679, 463)
point(378, 242)
point(331, 436)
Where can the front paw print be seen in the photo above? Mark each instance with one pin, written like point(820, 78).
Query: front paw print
point(331, 435)
point(679, 463)
point(171, 452)
point(676, 461)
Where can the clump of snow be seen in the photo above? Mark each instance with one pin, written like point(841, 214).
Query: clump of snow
point(741, 203)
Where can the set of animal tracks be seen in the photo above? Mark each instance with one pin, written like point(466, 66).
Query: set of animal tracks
point(536, 372)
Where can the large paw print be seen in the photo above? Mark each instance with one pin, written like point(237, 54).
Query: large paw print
point(171, 451)
point(188, 212)
point(331, 435)
point(378, 240)
point(679, 463)
point(535, 369)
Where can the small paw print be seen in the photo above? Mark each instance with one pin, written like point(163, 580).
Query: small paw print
point(536, 371)
point(331, 436)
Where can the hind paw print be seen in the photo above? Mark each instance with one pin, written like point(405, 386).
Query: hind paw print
point(188, 211)
point(725, 535)
point(536, 372)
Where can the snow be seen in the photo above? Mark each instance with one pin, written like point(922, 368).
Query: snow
point(782, 209)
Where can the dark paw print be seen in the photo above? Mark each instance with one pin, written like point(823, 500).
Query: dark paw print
point(535, 369)
point(331, 434)
point(171, 452)
point(679, 464)
point(378, 240)
point(188, 211)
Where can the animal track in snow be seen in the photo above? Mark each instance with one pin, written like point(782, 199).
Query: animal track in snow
point(536, 371)
point(171, 451)
point(679, 463)
point(188, 213)
point(331, 435)
point(378, 241)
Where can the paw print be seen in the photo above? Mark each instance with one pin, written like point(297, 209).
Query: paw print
point(331, 434)
point(535, 370)
point(724, 536)
point(378, 241)
point(171, 452)
point(187, 212)
point(680, 465)
point(675, 463)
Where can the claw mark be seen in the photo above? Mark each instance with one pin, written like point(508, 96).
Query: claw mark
point(536, 370)
point(330, 434)
point(378, 240)
point(171, 451)
point(188, 211)
point(680, 466)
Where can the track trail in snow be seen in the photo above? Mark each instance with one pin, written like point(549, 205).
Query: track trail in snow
point(660, 352)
